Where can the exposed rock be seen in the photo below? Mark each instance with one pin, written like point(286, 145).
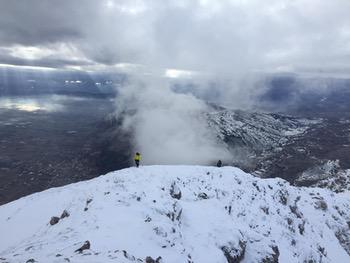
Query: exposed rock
point(151, 260)
point(321, 204)
point(234, 254)
point(301, 228)
point(32, 260)
point(322, 250)
point(176, 213)
point(294, 209)
point(265, 209)
point(28, 248)
point(310, 260)
point(273, 258)
point(65, 214)
point(83, 247)
point(283, 196)
point(189, 259)
point(344, 238)
point(128, 256)
point(87, 203)
point(54, 220)
point(175, 191)
point(160, 231)
point(203, 196)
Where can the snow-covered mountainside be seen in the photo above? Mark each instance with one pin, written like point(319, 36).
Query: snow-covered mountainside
point(298, 150)
point(253, 138)
point(260, 131)
point(328, 175)
point(177, 214)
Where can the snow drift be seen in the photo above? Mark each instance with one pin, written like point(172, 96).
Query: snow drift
point(177, 214)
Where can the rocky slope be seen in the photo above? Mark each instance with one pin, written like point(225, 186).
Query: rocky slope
point(260, 131)
point(253, 138)
point(177, 214)
point(327, 175)
point(274, 145)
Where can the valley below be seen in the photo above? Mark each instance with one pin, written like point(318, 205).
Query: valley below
point(48, 141)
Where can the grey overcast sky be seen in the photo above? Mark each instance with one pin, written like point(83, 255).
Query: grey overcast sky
point(205, 35)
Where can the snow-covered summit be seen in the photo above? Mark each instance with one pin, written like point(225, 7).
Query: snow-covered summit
point(178, 214)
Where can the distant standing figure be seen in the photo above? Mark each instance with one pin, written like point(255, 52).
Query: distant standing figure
point(137, 159)
point(219, 164)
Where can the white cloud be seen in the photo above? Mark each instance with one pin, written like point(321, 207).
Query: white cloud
point(175, 73)
point(168, 128)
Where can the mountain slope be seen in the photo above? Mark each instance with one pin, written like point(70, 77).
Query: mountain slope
point(255, 138)
point(273, 145)
point(181, 214)
point(260, 131)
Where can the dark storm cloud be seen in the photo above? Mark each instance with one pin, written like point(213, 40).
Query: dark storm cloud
point(37, 22)
point(205, 35)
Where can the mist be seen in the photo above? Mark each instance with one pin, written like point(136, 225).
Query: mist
point(167, 127)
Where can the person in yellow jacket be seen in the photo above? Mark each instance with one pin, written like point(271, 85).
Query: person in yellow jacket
point(137, 159)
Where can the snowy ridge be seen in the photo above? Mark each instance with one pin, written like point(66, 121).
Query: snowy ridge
point(178, 214)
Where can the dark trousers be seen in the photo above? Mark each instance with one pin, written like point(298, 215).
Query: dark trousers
point(137, 162)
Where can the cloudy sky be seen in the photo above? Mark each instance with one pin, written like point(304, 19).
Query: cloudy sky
point(205, 36)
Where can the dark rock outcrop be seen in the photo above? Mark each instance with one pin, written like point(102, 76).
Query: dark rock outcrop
point(344, 238)
point(128, 256)
point(175, 191)
point(87, 204)
point(151, 260)
point(54, 220)
point(65, 214)
point(321, 204)
point(273, 258)
point(83, 247)
point(203, 196)
point(234, 254)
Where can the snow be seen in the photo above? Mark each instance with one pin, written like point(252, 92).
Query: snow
point(327, 175)
point(296, 131)
point(132, 215)
point(320, 172)
point(260, 130)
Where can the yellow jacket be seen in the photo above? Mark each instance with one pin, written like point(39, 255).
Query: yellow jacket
point(137, 157)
